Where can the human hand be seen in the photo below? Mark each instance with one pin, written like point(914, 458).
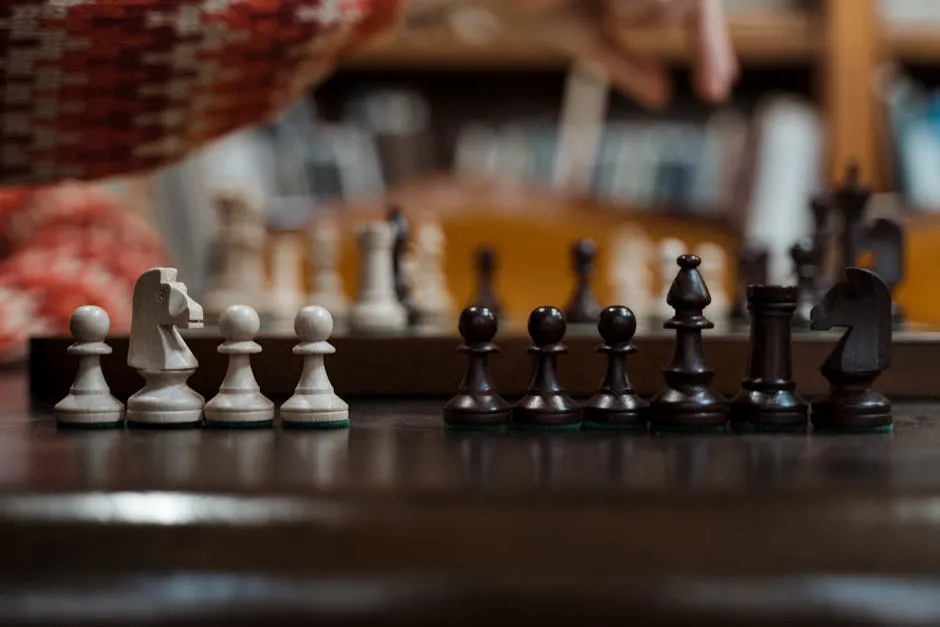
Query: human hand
point(580, 28)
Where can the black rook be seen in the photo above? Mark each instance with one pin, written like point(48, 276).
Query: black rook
point(768, 398)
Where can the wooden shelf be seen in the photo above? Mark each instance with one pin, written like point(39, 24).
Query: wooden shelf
point(913, 44)
point(759, 39)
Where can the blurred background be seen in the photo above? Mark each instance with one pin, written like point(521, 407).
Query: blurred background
point(511, 146)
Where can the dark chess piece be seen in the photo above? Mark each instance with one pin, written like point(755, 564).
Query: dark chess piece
point(688, 402)
point(616, 405)
point(583, 307)
point(768, 398)
point(862, 304)
point(546, 404)
point(805, 268)
point(399, 221)
point(752, 270)
point(477, 403)
point(885, 239)
point(851, 200)
point(486, 262)
point(821, 207)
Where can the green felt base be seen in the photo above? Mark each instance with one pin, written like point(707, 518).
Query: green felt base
point(89, 426)
point(853, 430)
point(524, 426)
point(222, 424)
point(682, 429)
point(756, 427)
point(476, 426)
point(591, 425)
point(164, 426)
point(326, 424)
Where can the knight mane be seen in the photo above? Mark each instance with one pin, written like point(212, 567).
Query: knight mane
point(878, 299)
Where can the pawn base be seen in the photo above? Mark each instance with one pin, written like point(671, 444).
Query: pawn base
point(89, 411)
point(673, 408)
point(239, 410)
point(853, 409)
point(615, 411)
point(468, 411)
point(557, 410)
point(324, 410)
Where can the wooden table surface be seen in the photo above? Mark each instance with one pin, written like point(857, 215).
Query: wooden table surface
point(396, 518)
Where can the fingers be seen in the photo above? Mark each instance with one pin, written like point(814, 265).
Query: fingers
point(716, 65)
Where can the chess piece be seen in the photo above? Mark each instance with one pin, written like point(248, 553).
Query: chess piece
point(629, 271)
point(161, 306)
point(851, 199)
point(89, 402)
point(885, 239)
point(688, 402)
point(713, 273)
point(583, 307)
point(432, 302)
point(546, 404)
point(486, 262)
point(477, 403)
point(616, 405)
point(327, 283)
point(239, 247)
point(669, 250)
point(239, 402)
point(314, 403)
point(821, 207)
point(377, 308)
point(399, 221)
point(752, 270)
point(805, 267)
point(286, 294)
point(861, 302)
point(768, 399)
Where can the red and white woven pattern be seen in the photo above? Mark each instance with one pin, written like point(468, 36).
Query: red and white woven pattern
point(68, 245)
point(95, 88)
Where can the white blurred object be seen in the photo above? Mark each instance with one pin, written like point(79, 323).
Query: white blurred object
point(629, 270)
point(327, 284)
point(713, 270)
point(239, 270)
point(583, 111)
point(788, 167)
point(429, 294)
point(285, 297)
point(917, 13)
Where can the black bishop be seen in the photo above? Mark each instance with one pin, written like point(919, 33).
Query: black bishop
point(688, 402)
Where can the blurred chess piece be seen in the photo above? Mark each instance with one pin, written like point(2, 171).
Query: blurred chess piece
point(424, 270)
point(713, 271)
point(377, 308)
point(326, 282)
point(286, 295)
point(670, 249)
point(237, 273)
point(629, 271)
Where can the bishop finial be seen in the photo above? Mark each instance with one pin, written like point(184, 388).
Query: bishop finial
point(688, 291)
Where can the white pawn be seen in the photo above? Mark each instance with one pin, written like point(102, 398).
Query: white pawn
point(377, 308)
point(239, 401)
point(314, 403)
point(89, 403)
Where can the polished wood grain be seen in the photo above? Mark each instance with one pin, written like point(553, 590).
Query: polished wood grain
point(397, 519)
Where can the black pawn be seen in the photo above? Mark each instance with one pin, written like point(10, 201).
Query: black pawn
point(546, 405)
point(616, 405)
point(688, 402)
point(399, 221)
point(486, 262)
point(805, 267)
point(768, 398)
point(477, 404)
point(583, 307)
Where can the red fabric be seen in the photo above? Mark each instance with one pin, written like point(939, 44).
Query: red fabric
point(96, 88)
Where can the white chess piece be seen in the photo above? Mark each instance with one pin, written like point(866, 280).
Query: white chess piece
point(240, 247)
point(239, 401)
point(157, 350)
point(430, 297)
point(287, 294)
point(670, 249)
point(712, 270)
point(377, 308)
point(314, 403)
point(327, 284)
point(89, 402)
point(630, 271)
